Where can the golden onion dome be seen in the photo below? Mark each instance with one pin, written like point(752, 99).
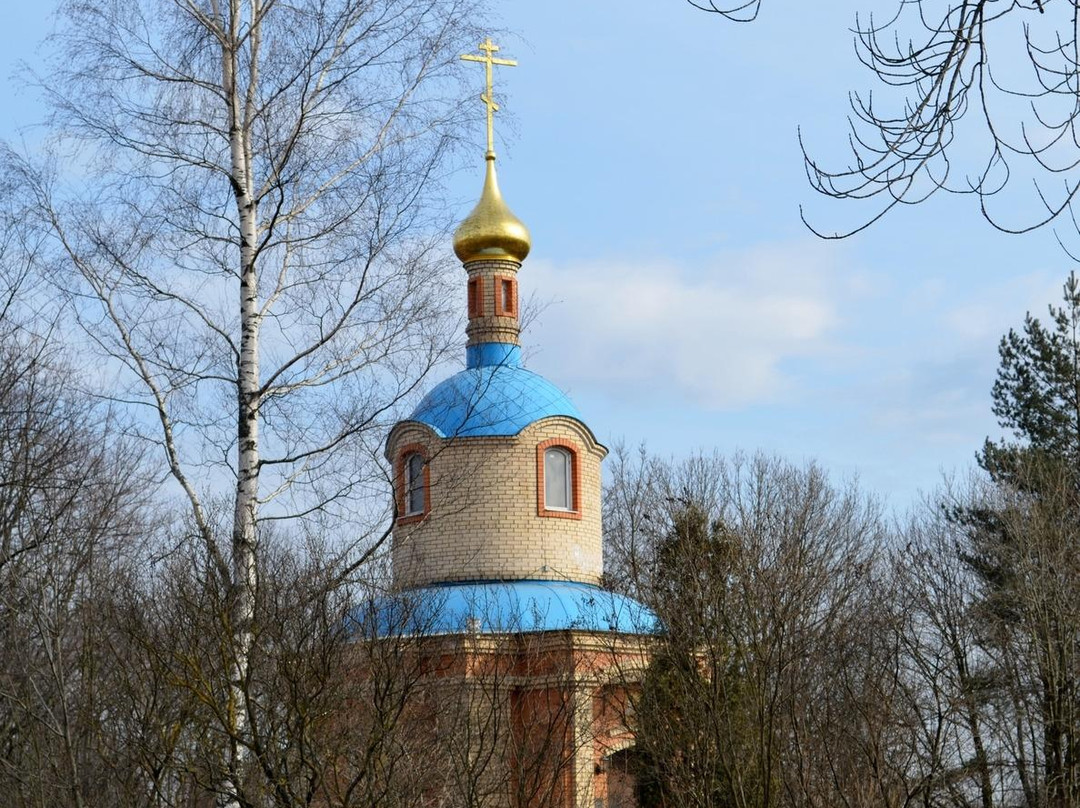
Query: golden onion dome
point(491, 230)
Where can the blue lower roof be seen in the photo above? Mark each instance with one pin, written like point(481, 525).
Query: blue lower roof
point(506, 607)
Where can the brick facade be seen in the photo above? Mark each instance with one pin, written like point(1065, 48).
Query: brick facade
point(483, 521)
point(548, 713)
point(490, 322)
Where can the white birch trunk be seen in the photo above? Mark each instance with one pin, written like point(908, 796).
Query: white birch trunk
point(244, 570)
point(327, 152)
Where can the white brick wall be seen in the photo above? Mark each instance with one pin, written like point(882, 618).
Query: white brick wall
point(483, 522)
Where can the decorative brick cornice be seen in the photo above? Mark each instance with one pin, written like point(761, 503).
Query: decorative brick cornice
point(492, 264)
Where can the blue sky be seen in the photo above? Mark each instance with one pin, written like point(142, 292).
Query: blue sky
point(652, 151)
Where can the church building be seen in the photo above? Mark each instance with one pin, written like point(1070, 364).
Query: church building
point(497, 530)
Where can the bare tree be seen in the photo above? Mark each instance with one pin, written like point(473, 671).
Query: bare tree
point(945, 667)
point(71, 502)
point(238, 199)
point(760, 573)
point(737, 11)
point(977, 97)
point(1028, 610)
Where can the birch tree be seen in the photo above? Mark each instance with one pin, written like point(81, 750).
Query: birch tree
point(240, 200)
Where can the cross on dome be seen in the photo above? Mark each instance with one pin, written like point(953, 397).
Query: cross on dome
point(489, 49)
point(491, 231)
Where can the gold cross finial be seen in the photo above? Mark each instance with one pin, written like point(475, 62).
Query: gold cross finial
point(489, 48)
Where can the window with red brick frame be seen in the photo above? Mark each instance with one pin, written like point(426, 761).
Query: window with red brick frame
point(506, 302)
point(413, 484)
point(558, 480)
point(476, 297)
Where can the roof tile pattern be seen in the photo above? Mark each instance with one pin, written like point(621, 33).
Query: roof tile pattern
point(494, 395)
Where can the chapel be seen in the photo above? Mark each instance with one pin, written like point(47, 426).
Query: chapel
point(497, 531)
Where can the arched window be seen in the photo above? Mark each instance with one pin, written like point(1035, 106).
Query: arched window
point(415, 495)
point(558, 479)
point(558, 491)
point(413, 478)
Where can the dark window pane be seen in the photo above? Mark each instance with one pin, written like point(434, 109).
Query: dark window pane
point(414, 484)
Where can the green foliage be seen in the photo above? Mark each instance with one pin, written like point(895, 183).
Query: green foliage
point(695, 733)
point(1036, 396)
point(1020, 538)
point(694, 564)
point(1037, 392)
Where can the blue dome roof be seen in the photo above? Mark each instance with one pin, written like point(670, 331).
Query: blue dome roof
point(498, 607)
point(494, 395)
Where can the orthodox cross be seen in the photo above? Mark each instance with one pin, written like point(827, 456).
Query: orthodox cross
point(489, 48)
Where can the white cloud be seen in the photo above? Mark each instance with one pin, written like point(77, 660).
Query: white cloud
point(718, 333)
point(930, 385)
point(980, 316)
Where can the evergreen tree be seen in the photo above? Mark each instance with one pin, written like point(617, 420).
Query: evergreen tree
point(695, 734)
point(761, 683)
point(1021, 544)
point(1037, 393)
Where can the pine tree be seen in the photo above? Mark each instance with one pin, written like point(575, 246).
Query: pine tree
point(696, 741)
point(1037, 392)
point(1021, 542)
